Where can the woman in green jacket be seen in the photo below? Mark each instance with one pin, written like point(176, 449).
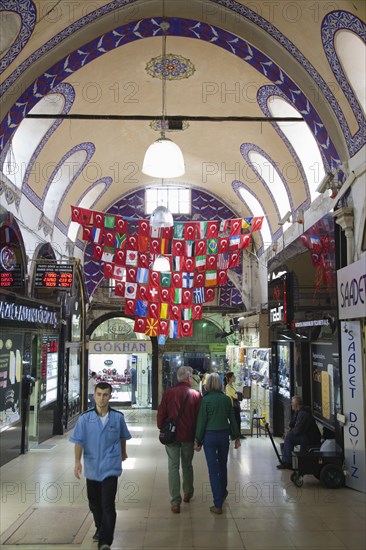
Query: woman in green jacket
point(215, 424)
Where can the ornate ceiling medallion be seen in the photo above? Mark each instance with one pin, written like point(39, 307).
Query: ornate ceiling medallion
point(173, 67)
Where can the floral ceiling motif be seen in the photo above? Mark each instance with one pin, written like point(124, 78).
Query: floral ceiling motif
point(172, 67)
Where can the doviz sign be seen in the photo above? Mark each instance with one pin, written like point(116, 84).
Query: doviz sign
point(49, 275)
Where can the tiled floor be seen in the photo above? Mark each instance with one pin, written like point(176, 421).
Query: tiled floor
point(264, 510)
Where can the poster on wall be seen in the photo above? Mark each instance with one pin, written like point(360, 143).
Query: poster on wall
point(325, 382)
point(49, 362)
point(10, 378)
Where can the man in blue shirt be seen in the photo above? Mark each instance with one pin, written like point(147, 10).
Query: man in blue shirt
point(101, 434)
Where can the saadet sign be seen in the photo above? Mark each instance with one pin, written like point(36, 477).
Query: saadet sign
point(351, 284)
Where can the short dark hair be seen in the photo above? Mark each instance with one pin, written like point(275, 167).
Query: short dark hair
point(103, 386)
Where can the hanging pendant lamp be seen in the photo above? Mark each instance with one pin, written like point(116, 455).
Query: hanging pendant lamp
point(161, 217)
point(163, 159)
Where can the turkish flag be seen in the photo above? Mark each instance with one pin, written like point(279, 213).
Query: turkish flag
point(211, 261)
point(87, 234)
point(155, 245)
point(119, 289)
point(210, 294)
point(140, 325)
point(97, 251)
point(177, 280)
point(98, 219)
point(132, 242)
point(167, 232)
point(235, 226)
point(234, 258)
point(120, 257)
point(190, 230)
point(163, 327)
point(175, 312)
point(222, 277)
point(131, 274)
point(189, 264)
point(142, 243)
point(224, 244)
point(212, 230)
point(257, 223)
point(109, 236)
point(143, 228)
point(121, 225)
point(142, 292)
point(130, 306)
point(196, 311)
point(165, 294)
point(199, 280)
point(154, 278)
point(108, 270)
point(178, 247)
point(200, 247)
point(245, 241)
point(187, 296)
point(153, 310)
point(144, 260)
point(186, 328)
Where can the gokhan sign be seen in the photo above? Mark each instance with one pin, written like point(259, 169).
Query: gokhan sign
point(125, 346)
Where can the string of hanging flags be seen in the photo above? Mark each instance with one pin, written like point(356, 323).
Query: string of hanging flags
point(165, 304)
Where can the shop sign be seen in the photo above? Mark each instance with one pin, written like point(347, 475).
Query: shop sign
point(217, 348)
point(353, 405)
point(132, 346)
point(351, 284)
point(27, 314)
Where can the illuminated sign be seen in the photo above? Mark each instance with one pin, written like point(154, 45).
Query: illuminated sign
point(11, 278)
point(54, 275)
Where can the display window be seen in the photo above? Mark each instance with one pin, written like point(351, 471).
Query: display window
point(10, 378)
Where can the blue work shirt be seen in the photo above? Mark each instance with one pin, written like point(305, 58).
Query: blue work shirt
point(101, 443)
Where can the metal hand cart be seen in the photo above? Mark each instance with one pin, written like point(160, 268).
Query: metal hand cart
point(326, 466)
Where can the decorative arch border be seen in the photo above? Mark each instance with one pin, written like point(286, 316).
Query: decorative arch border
point(89, 148)
point(237, 185)
point(264, 93)
point(179, 27)
point(333, 22)
point(28, 14)
point(69, 94)
point(245, 149)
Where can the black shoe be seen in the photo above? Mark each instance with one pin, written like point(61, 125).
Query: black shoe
point(242, 437)
point(284, 466)
point(96, 535)
point(103, 546)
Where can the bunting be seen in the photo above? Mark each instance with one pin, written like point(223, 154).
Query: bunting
point(200, 254)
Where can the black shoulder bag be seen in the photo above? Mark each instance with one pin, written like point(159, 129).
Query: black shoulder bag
point(168, 431)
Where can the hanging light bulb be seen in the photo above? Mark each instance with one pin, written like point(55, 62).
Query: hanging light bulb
point(161, 263)
point(163, 159)
point(161, 217)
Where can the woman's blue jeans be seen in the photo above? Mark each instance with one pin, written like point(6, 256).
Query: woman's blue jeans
point(216, 446)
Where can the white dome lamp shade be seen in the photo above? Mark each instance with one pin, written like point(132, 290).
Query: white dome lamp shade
point(161, 263)
point(163, 159)
point(161, 217)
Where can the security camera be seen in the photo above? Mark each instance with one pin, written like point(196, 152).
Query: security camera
point(285, 218)
point(325, 183)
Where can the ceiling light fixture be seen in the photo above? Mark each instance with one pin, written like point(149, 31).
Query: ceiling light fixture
point(161, 263)
point(163, 159)
point(161, 217)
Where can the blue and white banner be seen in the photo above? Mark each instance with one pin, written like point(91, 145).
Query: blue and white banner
point(353, 405)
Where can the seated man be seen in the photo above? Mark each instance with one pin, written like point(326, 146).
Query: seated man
point(303, 431)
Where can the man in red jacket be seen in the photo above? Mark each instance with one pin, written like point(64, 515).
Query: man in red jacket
point(182, 449)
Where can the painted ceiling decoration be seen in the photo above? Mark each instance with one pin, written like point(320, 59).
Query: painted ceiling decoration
point(173, 67)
